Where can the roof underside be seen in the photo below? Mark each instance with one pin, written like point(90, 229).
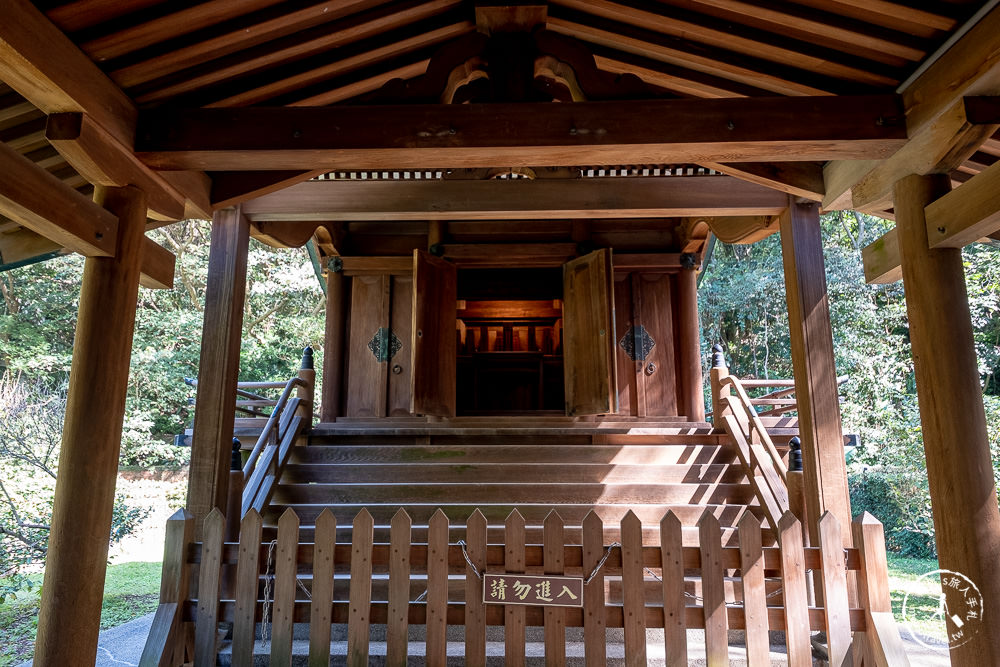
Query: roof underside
point(236, 53)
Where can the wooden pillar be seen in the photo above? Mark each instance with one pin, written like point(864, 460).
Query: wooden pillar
point(959, 471)
point(336, 332)
point(691, 402)
point(218, 369)
point(824, 468)
point(69, 618)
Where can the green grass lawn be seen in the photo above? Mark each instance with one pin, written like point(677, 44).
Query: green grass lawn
point(130, 591)
point(905, 577)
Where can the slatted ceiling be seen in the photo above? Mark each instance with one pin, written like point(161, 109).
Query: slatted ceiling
point(82, 14)
point(295, 80)
point(231, 38)
point(376, 25)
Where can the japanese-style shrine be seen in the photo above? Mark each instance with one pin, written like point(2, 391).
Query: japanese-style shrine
point(510, 205)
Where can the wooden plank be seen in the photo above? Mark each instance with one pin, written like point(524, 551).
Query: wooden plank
point(209, 585)
point(657, 308)
point(247, 581)
point(285, 573)
point(103, 160)
point(594, 637)
point(635, 132)
point(41, 202)
point(713, 592)
point(173, 589)
point(674, 603)
point(541, 199)
point(634, 599)
point(691, 399)
point(944, 359)
point(157, 268)
point(367, 376)
point(627, 379)
point(434, 379)
point(966, 214)
point(835, 605)
point(399, 589)
point(506, 255)
point(400, 369)
point(881, 259)
point(368, 266)
point(555, 617)
point(514, 619)
point(816, 390)
point(888, 648)
point(219, 363)
point(793, 583)
point(437, 589)
point(589, 335)
point(361, 590)
point(321, 597)
point(754, 597)
point(334, 335)
point(50, 71)
point(475, 613)
point(801, 179)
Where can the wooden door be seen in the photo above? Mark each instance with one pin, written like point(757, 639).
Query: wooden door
point(434, 374)
point(589, 335)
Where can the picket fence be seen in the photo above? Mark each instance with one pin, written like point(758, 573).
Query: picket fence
point(205, 583)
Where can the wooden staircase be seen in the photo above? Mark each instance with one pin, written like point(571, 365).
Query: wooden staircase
point(533, 465)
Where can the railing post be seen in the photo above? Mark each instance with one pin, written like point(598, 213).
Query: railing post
point(797, 506)
point(719, 392)
point(164, 644)
point(883, 641)
point(234, 513)
point(307, 393)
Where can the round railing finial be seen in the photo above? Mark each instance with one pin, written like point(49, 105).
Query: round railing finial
point(236, 463)
point(307, 359)
point(795, 455)
point(718, 358)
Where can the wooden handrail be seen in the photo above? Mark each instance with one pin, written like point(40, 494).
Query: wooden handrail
point(756, 426)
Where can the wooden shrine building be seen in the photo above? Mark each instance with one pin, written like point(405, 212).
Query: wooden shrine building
point(510, 205)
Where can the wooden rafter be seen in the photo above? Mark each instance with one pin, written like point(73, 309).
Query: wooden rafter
point(802, 179)
point(967, 213)
point(425, 136)
point(512, 200)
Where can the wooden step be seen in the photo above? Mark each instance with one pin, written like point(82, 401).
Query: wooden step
point(564, 473)
point(546, 452)
point(552, 494)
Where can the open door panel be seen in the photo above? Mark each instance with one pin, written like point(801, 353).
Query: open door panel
point(589, 335)
point(435, 292)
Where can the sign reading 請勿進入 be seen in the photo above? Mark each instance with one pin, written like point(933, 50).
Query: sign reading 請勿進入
point(530, 589)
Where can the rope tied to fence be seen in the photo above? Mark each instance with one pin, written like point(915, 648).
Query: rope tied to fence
point(587, 580)
point(265, 612)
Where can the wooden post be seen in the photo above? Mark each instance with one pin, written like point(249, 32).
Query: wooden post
point(70, 614)
point(692, 394)
point(333, 355)
point(959, 473)
point(307, 374)
point(824, 468)
point(719, 373)
point(234, 514)
point(218, 370)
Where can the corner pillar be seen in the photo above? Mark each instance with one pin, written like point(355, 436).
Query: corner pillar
point(73, 588)
point(816, 392)
point(692, 391)
point(218, 368)
point(334, 337)
point(952, 419)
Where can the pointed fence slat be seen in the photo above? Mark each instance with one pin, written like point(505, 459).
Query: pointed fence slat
point(247, 578)
point(884, 645)
point(674, 604)
point(437, 590)
point(754, 596)
point(838, 621)
point(358, 625)
point(595, 653)
point(209, 582)
point(633, 590)
point(285, 571)
point(793, 585)
point(555, 617)
point(475, 611)
point(400, 532)
point(173, 590)
point(514, 622)
point(321, 607)
point(713, 591)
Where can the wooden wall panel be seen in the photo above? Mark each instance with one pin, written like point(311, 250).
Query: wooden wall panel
point(656, 314)
point(589, 336)
point(401, 323)
point(366, 377)
point(434, 379)
point(627, 403)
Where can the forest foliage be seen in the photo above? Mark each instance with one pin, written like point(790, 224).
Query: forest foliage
point(742, 306)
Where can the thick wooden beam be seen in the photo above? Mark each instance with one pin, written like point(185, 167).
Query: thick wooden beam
point(333, 350)
point(230, 188)
point(70, 613)
point(215, 407)
point(516, 199)
point(802, 179)
point(952, 419)
point(744, 229)
point(41, 202)
point(966, 214)
point(454, 136)
point(103, 160)
point(825, 472)
point(881, 259)
point(23, 244)
point(157, 266)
